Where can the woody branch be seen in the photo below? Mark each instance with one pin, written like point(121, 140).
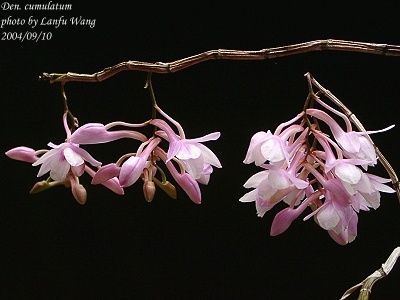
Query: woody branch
point(263, 54)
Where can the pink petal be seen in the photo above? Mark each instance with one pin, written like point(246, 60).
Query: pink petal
point(114, 185)
point(278, 180)
point(85, 155)
point(209, 137)
point(78, 170)
point(284, 218)
point(194, 167)
point(272, 149)
point(45, 157)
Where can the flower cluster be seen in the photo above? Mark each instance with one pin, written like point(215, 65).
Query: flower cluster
point(188, 160)
point(303, 166)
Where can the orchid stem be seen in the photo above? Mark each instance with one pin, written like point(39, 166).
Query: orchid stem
point(152, 96)
point(73, 119)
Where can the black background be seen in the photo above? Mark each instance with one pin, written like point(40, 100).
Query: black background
point(121, 247)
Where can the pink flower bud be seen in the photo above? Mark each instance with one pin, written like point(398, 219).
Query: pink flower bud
point(22, 153)
point(105, 173)
point(187, 183)
point(112, 184)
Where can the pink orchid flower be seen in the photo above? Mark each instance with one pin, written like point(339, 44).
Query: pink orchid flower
point(64, 158)
point(354, 143)
point(344, 168)
point(275, 148)
point(198, 159)
point(276, 184)
point(270, 187)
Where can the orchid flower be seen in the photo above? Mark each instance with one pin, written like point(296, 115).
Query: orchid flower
point(270, 187)
point(344, 168)
point(66, 161)
point(64, 158)
point(198, 159)
point(265, 146)
point(354, 143)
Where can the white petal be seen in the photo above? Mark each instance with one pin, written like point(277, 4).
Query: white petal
point(188, 150)
point(59, 169)
point(278, 180)
point(209, 156)
point(349, 141)
point(327, 217)
point(348, 172)
point(272, 150)
point(194, 166)
point(249, 197)
point(45, 157)
point(253, 152)
point(374, 199)
point(72, 158)
point(255, 180)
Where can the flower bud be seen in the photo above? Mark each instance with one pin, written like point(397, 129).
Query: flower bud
point(40, 186)
point(22, 153)
point(105, 173)
point(167, 187)
point(79, 193)
point(149, 190)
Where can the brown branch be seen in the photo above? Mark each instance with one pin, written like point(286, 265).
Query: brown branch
point(268, 53)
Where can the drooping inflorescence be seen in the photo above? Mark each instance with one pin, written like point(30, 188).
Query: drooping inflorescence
point(188, 161)
point(311, 161)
